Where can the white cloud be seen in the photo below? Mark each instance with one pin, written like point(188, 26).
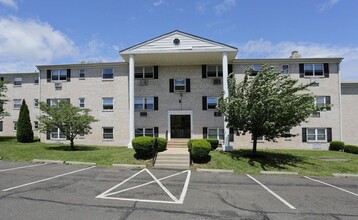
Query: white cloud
point(267, 49)
point(327, 5)
point(201, 6)
point(31, 42)
point(224, 6)
point(9, 3)
point(158, 2)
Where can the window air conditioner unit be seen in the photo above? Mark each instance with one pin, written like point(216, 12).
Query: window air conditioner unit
point(143, 82)
point(217, 81)
point(58, 85)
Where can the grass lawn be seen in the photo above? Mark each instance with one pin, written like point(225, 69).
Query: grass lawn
point(11, 150)
point(305, 162)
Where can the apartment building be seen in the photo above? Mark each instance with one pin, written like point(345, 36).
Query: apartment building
point(169, 87)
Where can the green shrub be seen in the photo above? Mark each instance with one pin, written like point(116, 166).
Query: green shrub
point(336, 146)
point(143, 146)
point(199, 149)
point(213, 142)
point(351, 149)
point(24, 133)
point(162, 144)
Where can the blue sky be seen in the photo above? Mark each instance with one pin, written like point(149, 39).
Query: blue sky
point(34, 32)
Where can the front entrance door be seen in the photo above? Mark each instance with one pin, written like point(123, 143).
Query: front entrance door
point(180, 126)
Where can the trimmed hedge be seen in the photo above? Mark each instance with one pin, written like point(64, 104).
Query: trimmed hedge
point(162, 144)
point(143, 146)
point(351, 149)
point(199, 149)
point(336, 146)
point(213, 142)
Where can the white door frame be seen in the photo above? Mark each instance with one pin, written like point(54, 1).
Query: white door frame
point(180, 112)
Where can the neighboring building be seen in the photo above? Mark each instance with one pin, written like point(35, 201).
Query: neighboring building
point(168, 87)
point(350, 111)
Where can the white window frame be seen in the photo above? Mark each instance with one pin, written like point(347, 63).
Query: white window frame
point(324, 101)
point(36, 125)
point(143, 72)
point(144, 103)
point(218, 69)
point(58, 135)
point(14, 125)
point(59, 73)
point(103, 133)
point(55, 102)
point(144, 132)
point(284, 70)
point(313, 69)
point(316, 134)
point(17, 106)
point(18, 81)
point(256, 69)
point(79, 102)
point(82, 71)
point(218, 136)
point(36, 103)
point(36, 80)
point(207, 103)
point(103, 70)
point(112, 104)
point(175, 85)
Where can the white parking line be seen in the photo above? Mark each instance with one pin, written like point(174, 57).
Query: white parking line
point(336, 187)
point(273, 193)
point(17, 168)
point(43, 180)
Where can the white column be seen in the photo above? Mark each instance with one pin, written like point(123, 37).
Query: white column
point(226, 93)
point(131, 100)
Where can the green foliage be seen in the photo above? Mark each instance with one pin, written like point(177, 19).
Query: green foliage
point(266, 105)
point(3, 90)
point(71, 120)
point(162, 144)
point(143, 146)
point(336, 145)
point(351, 149)
point(199, 149)
point(24, 133)
point(213, 142)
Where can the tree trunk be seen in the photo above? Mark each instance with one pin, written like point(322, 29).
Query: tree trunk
point(254, 145)
point(72, 146)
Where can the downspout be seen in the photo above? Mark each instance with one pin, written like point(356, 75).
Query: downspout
point(38, 107)
point(340, 102)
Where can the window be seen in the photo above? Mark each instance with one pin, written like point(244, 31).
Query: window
point(285, 69)
point(17, 103)
point(1, 126)
point(316, 135)
point(81, 102)
point(212, 102)
point(144, 132)
point(59, 75)
point(107, 103)
point(214, 71)
point(107, 133)
point(179, 85)
point(320, 101)
point(55, 102)
point(82, 74)
point(144, 72)
point(1, 107)
point(259, 138)
point(216, 133)
point(36, 125)
point(255, 69)
point(36, 103)
point(57, 134)
point(14, 125)
point(313, 69)
point(107, 73)
point(144, 104)
point(17, 81)
point(36, 80)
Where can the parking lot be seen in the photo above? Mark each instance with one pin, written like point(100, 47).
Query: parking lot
point(52, 191)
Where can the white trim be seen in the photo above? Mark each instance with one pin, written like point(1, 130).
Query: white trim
point(131, 99)
point(179, 91)
point(180, 112)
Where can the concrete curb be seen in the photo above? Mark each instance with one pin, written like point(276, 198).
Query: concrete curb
point(345, 175)
point(278, 173)
point(214, 170)
point(79, 163)
point(129, 166)
point(48, 161)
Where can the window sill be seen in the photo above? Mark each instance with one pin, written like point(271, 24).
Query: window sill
point(314, 77)
point(17, 85)
point(58, 81)
point(107, 110)
point(107, 140)
point(81, 78)
point(316, 142)
point(107, 80)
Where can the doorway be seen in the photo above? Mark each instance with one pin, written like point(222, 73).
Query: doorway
point(180, 126)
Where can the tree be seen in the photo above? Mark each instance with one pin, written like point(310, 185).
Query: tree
point(269, 104)
point(3, 101)
point(71, 120)
point(24, 133)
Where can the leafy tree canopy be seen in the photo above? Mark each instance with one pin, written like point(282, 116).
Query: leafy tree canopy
point(24, 131)
point(3, 100)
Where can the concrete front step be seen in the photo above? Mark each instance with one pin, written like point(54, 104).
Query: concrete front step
point(173, 158)
point(172, 166)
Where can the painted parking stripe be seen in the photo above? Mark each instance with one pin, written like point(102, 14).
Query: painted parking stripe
point(336, 187)
point(43, 180)
point(273, 193)
point(17, 168)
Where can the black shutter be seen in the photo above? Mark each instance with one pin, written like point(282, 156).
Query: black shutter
point(67, 100)
point(155, 103)
point(304, 134)
point(2, 79)
point(48, 101)
point(203, 71)
point(68, 75)
point(329, 134)
point(155, 72)
point(326, 70)
point(231, 134)
point(229, 68)
point(48, 75)
point(48, 135)
point(204, 103)
point(187, 82)
point(205, 132)
point(328, 102)
point(156, 132)
point(302, 70)
point(171, 85)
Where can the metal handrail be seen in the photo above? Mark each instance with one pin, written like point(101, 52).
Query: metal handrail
point(154, 151)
